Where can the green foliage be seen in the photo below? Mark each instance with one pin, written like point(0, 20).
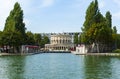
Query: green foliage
point(79, 39)
point(14, 30)
point(90, 19)
point(114, 30)
point(1, 35)
point(76, 38)
point(83, 40)
point(117, 40)
point(45, 40)
point(91, 12)
point(11, 39)
point(108, 19)
point(14, 22)
point(14, 34)
point(96, 27)
point(30, 38)
point(116, 51)
point(37, 38)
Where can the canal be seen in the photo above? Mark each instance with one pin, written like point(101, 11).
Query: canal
point(59, 66)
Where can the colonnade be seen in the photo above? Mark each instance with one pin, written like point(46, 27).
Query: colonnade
point(61, 39)
point(58, 47)
point(59, 42)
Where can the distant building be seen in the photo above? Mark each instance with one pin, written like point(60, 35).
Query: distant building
point(29, 49)
point(61, 42)
point(64, 33)
point(81, 49)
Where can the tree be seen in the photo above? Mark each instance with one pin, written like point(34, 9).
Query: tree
point(1, 42)
point(14, 21)
point(10, 39)
point(109, 19)
point(115, 37)
point(91, 12)
point(45, 40)
point(30, 38)
point(15, 41)
point(97, 28)
point(76, 38)
point(37, 38)
point(117, 41)
point(79, 39)
point(100, 33)
point(114, 30)
point(14, 31)
point(90, 18)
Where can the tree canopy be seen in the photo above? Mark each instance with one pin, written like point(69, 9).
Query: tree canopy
point(14, 31)
point(76, 40)
point(15, 20)
point(97, 28)
point(91, 13)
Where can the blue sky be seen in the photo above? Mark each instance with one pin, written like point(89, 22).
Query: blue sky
point(46, 16)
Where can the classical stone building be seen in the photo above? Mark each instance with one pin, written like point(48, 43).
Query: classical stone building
point(60, 42)
point(64, 33)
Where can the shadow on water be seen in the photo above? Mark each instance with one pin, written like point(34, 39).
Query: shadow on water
point(97, 67)
point(12, 67)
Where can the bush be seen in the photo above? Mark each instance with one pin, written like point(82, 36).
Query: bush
point(116, 51)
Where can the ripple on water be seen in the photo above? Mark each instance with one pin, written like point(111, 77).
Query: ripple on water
point(59, 66)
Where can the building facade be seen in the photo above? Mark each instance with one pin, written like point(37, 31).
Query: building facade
point(64, 33)
point(59, 42)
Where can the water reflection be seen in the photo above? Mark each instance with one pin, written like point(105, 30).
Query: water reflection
point(97, 67)
point(59, 66)
point(12, 67)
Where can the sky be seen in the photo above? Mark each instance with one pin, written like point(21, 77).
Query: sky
point(57, 16)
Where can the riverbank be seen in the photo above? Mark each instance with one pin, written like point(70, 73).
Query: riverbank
point(94, 54)
point(100, 54)
point(56, 51)
point(14, 54)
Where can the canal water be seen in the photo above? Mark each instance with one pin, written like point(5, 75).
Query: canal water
point(59, 66)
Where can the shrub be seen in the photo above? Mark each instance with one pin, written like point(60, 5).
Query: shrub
point(116, 51)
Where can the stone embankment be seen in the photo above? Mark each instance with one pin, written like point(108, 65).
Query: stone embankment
point(14, 54)
point(92, 54)
point(101, 54)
